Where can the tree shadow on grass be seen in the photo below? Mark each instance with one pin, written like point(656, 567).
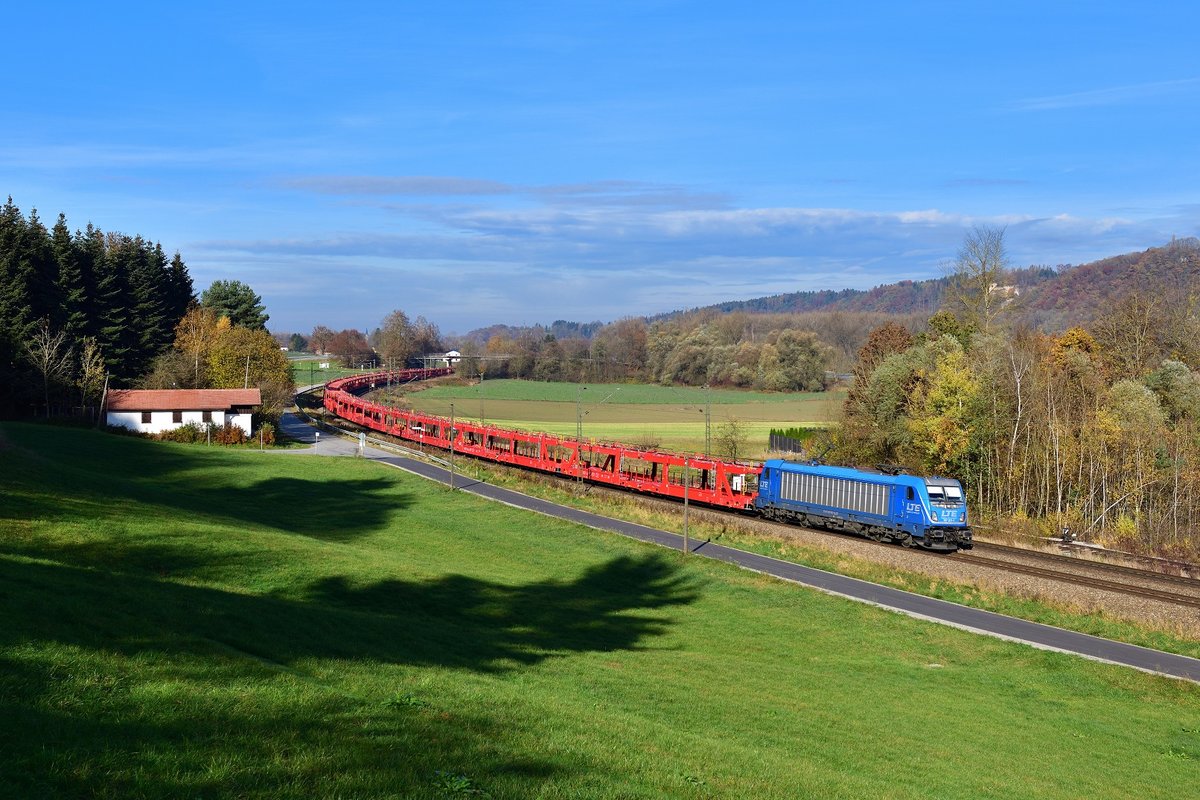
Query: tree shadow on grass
point(104, 474)
point(331, 510)
point(465, 622)
point(85, 654)
point(338, 510)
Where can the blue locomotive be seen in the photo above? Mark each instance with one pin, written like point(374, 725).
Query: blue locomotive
point(929, 512)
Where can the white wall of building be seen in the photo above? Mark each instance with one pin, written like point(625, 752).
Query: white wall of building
point(164, 420)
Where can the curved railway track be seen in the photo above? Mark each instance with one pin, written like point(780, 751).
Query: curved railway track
point(1097, 566)
point(1162, 595)
point(1062, 576)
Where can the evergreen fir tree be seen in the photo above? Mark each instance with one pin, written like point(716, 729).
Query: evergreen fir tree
point(74, 287)
point(89, 256)
point(15, 311)
point(114, 314)
point(41, 272)
point(147, 279)
point(182, 294)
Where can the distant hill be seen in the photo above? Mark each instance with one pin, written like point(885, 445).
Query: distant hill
point(1050, 298)
point(559, 329)
point(902, 297)
point(1077, 295)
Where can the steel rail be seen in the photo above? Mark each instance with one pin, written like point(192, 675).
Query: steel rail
point(1079, 580)
point(1099, 566)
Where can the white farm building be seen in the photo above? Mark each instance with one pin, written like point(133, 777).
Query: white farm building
point(158, 410)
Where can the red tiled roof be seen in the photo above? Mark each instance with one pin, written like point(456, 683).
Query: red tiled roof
point(181, 399)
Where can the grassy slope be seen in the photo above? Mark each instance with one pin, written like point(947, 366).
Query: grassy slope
point(180, 621)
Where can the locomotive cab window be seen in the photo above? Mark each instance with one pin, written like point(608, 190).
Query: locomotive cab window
point(908, 493)
point(945, 494)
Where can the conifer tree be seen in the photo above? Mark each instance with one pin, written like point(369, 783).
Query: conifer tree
point(41, 272)
point(74, 286)
point(181, 294)
point(238, 302)
point(114, 315)
point(91, 260)
point(15, 312)
point(148, 280)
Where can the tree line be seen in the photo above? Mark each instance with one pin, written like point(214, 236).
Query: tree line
point(78, 305)
point(771, 352)
point(397, 342)
point(85, 309)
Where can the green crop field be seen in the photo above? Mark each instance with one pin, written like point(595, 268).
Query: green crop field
point(671, 417)
point(308, 371)
point(193, 622)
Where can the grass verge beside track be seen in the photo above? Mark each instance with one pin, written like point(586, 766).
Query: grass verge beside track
point(731, 530)
point(185, 621)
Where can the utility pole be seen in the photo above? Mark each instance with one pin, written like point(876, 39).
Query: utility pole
point(707, 421)
point(579, 431)
point(452, 447)
point(482, 417)
point(247, 386)
point(686, 482)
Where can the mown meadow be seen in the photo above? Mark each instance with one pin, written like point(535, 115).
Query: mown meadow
point(190, 621)
point(671, 417)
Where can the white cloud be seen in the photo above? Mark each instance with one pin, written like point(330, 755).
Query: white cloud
point(1108, 96)
point(479, 265)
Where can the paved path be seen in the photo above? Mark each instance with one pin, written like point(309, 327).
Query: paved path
point(940, 611)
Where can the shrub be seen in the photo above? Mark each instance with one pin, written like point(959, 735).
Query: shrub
point(188, 433)
point(228, 434)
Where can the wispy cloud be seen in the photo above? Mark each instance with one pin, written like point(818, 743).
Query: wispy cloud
point(608, 262)
point(630, 194)
point(976, 183)
point(1109, 96)
point(422, 185)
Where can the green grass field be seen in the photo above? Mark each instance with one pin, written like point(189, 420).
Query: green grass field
point(671, 416)
point(186, 621)
point(308, 371)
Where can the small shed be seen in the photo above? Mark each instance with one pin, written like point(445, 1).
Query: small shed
point(157, 410)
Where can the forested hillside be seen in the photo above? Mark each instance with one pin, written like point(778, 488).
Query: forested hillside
point(1084, 293)
point(1096, 427)
point(902, 297)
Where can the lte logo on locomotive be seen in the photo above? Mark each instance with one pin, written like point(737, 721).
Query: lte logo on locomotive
point(913, 508)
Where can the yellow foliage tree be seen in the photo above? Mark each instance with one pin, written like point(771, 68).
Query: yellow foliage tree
point(241, 357)
point(943, 408)
point(194, 337)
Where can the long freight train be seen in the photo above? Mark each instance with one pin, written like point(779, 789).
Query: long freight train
point(929, 512)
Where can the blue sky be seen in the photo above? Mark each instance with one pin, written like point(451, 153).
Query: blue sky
point(524, 162)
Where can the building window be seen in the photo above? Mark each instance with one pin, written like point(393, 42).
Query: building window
point(177, 417)
point(206, 416)
point(145, 417)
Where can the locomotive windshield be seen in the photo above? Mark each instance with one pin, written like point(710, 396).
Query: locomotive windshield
point(944, 493)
